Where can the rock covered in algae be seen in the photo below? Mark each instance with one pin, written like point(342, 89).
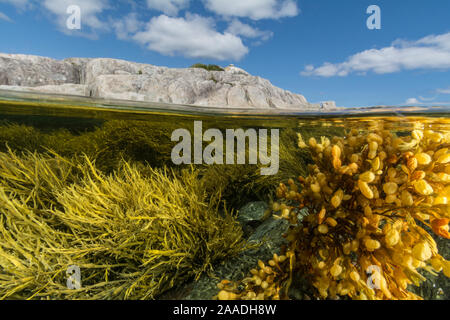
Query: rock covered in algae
point(267, 238)
point(252, 215)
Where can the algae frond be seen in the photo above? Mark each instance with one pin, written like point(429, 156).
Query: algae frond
point(372, 199)
point(134, 233)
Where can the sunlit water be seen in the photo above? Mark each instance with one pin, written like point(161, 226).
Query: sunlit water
point(112, 130)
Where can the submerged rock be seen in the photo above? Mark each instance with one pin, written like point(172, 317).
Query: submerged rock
point(251, 216)
point(120, 79)
point(269, 237)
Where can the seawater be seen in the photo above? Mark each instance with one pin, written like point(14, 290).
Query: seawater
point(112, 131)
point(150, 132)
point(77, 116)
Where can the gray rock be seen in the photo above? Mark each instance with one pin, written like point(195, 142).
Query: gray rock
point(26, 70)
point(70, 89)
point(232, 69)
point(251, 216)
point(102, 66)
point(120, 79)
point(328, 105)
point(79, 65)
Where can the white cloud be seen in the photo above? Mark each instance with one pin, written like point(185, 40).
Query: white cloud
point(169, 7)
point(90, 9)
point(443, 91)
point(425, 102)
point(241, 29)
point(127, 26)
point(5, 17)
point(193, 36)
point(431, 52)
point(412, 101)
point(254, 9)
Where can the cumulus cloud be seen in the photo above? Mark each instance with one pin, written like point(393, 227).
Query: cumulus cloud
point(253, 9)
point(126, 27)
point(412, 101)
point(169, 7)
point(241, 29)
point(193, 36)
point(90, 9)
point(431, 52)
point(5, 17)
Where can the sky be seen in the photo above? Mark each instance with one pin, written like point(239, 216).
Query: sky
point(322, 49)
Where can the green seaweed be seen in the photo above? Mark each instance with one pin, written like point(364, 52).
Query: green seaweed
point(150, 143)
point(108, 144)
point(134, 233)
point(241, 184)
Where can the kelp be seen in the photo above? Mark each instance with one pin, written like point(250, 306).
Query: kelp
point(372, 200)
point(133, 233)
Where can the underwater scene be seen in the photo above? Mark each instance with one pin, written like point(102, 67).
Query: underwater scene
point(107, 201)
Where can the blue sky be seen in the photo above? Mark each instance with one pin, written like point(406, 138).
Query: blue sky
point(319, 48)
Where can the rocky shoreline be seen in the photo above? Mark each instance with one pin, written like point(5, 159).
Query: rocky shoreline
point(124, 80)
